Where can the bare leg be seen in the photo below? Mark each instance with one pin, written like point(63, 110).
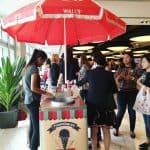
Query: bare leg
point(107, 138)
point(94, 131)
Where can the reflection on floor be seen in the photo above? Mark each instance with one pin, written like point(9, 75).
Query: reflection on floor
point(16, 138)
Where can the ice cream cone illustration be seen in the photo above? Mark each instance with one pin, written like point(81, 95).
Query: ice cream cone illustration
point(64, 136)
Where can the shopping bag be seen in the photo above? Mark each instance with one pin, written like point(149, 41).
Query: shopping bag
point(142, 103)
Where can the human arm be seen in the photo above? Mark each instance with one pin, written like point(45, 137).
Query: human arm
point(118, 76)
point(114, 88)
point(60, 79)
point(83, 80)
point(34, 86)
point(141, 85)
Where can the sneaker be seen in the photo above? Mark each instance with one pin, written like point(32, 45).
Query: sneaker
point(144, 145)
point(132, 135)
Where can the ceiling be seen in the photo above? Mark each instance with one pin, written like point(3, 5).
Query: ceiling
point(124, 40)
point(8, 6)
point(125, 9)
point(136, 13)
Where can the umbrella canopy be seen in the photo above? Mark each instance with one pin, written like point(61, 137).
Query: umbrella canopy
point(63, 22)
point(58, 22)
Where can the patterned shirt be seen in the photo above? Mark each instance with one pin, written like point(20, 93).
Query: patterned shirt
point(126, 78)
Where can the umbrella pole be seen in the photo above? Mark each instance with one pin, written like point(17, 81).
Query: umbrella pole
point(65, 50)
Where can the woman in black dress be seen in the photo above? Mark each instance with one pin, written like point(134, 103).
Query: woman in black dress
point(100, 100)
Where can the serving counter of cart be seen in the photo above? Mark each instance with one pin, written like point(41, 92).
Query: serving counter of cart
point(63, 127)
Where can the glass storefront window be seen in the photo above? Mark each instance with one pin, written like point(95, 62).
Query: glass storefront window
point(27, 58)
point(12, 55)
point(11, 41)
point(29, 51)
point(1, 52)
point(7, 46)
point(0, 33)
point(5, 52)
point(4, 36)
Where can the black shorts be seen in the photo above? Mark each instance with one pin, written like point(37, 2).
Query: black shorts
point(100, 118)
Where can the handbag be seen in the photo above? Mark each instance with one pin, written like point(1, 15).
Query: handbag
point(142, 102)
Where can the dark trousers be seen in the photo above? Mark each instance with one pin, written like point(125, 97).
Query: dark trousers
point(33, 109)
point(83, 94)
point(126, 99)
point(147, 126)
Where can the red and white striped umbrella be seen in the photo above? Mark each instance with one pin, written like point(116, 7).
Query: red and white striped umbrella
point(63, 22)
point(60, 22)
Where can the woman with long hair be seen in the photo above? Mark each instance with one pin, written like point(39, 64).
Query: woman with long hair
point(31, 85)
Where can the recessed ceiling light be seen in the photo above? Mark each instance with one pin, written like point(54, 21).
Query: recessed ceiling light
point(118, 56)
point(74, 56)
point(139, 52)
point(105, 52)
point(137, 55)
point(83, 47)
point(118, 48)
point(145, 38)
point(88, 56)
point(89, 51)
point(77, 52)
point(110, 57)
point(128, 50)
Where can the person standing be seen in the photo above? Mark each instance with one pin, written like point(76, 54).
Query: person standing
point(100, 100)
point(72, 67)
point(126, 77)
point(84, 66)
point(31, 85)
point(144, 81)
point(54, 70)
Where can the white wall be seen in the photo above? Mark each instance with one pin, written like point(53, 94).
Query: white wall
point(132, 12)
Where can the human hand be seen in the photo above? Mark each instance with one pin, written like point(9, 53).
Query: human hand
point(129, 77)
point(145, 88)
point(50, 95)
point(120, 77)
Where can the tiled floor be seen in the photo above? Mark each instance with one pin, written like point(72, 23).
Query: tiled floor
point(16, 138)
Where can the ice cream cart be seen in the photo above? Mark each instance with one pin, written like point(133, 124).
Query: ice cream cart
point(63, 127)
